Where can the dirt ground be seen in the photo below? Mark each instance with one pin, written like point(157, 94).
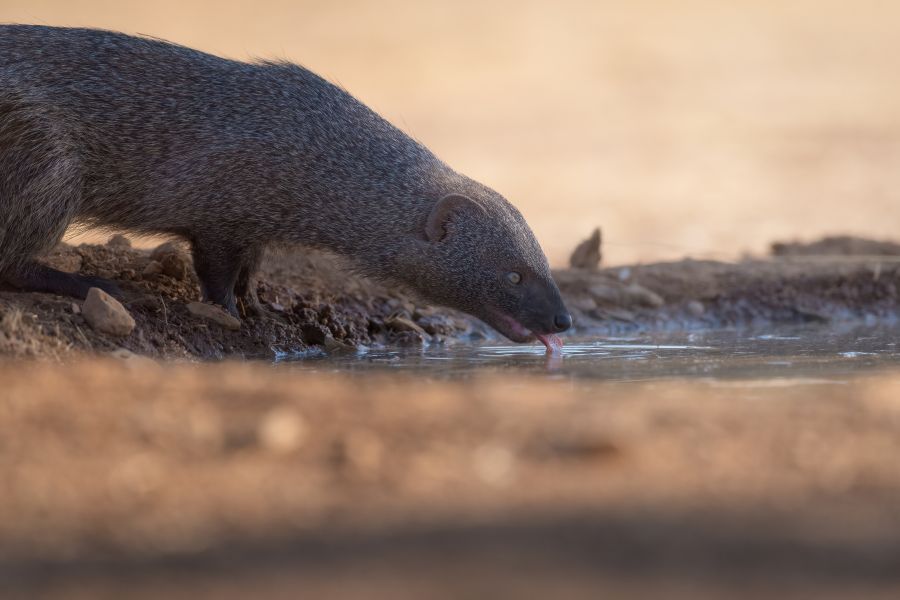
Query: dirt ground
point(123, 479)
point(313, 301)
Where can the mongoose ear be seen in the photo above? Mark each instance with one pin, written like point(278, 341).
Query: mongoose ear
point(443, 210)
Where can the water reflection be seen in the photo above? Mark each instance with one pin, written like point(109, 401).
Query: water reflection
point(813, 354)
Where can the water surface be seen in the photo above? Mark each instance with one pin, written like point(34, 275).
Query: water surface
point(784, 356)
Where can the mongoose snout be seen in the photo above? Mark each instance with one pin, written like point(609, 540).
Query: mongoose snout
point(137, 134)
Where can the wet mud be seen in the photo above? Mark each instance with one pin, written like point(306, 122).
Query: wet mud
point(316, 302)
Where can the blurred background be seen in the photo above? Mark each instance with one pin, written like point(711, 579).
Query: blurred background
point(698, 128)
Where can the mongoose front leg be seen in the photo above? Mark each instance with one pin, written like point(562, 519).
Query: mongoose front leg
point(35, 277)
point(217, 269)
point(226, 275)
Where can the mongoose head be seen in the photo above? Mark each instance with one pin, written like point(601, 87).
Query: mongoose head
point(478, 255)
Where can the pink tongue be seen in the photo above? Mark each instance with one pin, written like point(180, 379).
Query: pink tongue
point(553, 342)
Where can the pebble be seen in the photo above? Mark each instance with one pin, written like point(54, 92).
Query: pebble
point(106, 314)
point(152, 269)
point(175, 265)
point(136, 360)
point(213, 313)
point(641, 295)
point(333, 345)
point(400, 324)
point(605, 293)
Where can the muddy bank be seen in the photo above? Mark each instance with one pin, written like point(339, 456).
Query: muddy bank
point(226, 479)
point(312, 302)
point(309, 301)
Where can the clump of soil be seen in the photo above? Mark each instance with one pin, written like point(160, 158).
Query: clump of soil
point(691, 294)
point(313, 302)
point(844, 245)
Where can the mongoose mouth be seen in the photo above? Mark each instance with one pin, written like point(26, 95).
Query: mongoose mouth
point(519, 333)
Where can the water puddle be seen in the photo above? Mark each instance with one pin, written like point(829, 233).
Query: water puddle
point(791, 356)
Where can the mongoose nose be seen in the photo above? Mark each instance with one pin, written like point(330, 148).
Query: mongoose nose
point(562, 321)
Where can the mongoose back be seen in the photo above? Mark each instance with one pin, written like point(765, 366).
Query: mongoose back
point(105, 129)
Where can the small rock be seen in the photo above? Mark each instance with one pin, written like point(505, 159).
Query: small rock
point(331, 344)
point(131, 358)
point(214, 313)
point(152, 269)
point(175, 265)
point(638, 294)
point(624, 274)
point(437, 324)
point(587, 254)
point(606, 294)
point(276, 306)
point(76, 310)
point(401, 324)
point(105, 313)
point(119, 242)
point(123, 354)
point(282, 430)
point(696, 308)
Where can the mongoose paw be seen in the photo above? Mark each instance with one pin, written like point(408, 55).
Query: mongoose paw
point(249, 306)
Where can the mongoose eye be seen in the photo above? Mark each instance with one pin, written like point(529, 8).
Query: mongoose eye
point(513, 277)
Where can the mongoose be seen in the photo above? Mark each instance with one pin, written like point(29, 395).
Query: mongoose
point(106, 129)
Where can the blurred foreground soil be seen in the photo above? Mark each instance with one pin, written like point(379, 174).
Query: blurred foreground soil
point(146, 480)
